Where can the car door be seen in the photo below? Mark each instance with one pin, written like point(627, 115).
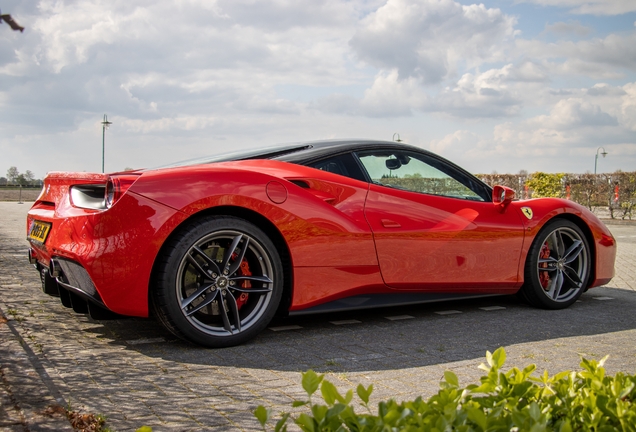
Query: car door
point(436, 228)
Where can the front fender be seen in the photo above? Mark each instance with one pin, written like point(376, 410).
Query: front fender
point(602, 243)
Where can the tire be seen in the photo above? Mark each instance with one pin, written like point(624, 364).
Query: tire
point(218, 282)
point(557, 267)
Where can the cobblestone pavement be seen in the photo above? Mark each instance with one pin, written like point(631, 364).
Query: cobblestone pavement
point(135, 373)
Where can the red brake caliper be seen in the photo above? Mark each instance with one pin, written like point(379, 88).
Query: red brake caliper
point(244, 271)
point(544, 276)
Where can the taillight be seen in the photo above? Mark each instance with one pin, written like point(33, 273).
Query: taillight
point(116, 187)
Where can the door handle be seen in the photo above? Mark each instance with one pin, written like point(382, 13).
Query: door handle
point(388, 223)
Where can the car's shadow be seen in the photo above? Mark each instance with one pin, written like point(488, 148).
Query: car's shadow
point(375, 342)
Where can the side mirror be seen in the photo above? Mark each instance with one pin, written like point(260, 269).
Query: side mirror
point(502, 196)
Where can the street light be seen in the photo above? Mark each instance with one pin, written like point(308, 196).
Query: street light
point(604, 153)
point(105, 125)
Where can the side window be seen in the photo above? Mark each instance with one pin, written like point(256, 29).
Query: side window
point(413, 172)
point(344, 165)
point(332, 165)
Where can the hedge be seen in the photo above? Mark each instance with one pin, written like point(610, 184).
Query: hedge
point(516, 400)
point(616, 192)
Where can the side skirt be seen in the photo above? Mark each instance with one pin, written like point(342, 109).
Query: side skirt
point(371, 301)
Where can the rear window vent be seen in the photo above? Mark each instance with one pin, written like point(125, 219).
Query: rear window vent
point(48, 205)
point(301, 183)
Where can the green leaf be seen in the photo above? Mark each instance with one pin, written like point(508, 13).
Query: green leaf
point(527, 371)
point(347, 399)
point(626, 391)
point(311, 381)
point(560, 376)
point(281, 424)
point(546, 377)
point(335, 411)
point(319, 412)
point(262, 414)
point(364, 393)
point(565, 426)
point(329, 392)
point(298, 403)
point(535, 411)
point(603, 360)
point(478, 417)
point(391, 416)
point(451, 378)
point(306, 423)
point(489, 359)
point(144, 429)
point(499, 357)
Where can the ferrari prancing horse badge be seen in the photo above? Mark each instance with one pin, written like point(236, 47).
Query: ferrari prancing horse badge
point(527, 212)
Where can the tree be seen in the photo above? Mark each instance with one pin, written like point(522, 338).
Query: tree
point(29, 177)
point(12, 174)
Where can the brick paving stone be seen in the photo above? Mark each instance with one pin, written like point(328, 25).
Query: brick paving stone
point(50, 355)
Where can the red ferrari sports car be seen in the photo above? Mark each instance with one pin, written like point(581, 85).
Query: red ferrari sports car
point(215, 247)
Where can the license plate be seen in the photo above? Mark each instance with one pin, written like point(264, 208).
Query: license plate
point(39, 231)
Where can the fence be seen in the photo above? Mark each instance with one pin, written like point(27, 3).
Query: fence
point(15, 193)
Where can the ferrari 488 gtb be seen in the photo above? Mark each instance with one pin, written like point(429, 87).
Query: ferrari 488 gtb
point(214, 248)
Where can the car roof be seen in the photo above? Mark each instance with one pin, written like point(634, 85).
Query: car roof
point(299, 153)
point(313, 150)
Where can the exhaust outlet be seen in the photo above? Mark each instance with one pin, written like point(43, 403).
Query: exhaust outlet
point(31, 255)
point(54, 269)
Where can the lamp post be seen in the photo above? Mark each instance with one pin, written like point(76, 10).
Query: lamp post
point(604, 153)
point(105, 125)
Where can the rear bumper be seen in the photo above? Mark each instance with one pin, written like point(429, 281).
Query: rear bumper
point(70, 282)
point(103, 258)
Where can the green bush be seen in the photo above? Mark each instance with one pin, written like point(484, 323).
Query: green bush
point(545, 185)
point(516, 400)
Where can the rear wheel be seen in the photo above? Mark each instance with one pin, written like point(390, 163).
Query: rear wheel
point(219, 282)
point(558, 266)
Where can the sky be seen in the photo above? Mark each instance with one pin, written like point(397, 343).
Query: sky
point(498, 86)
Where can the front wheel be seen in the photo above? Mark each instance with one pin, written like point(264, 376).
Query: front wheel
point(558, 266)
point(219, 282)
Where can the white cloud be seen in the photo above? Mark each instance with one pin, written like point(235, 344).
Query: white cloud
point(430, 39)
point(607, 58)
point(569, 28)
point(456, 143)
point(391, 97)
point(157, 60)
point(576, 113)
point(494, 93)
point(591, 7)
point(564, 140)
point(572, 130)
point(627, 112)
point(571, 123)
